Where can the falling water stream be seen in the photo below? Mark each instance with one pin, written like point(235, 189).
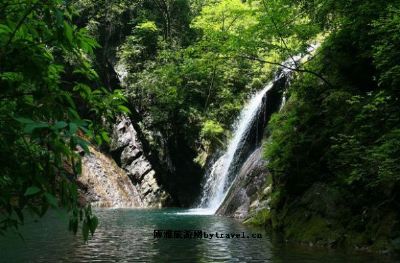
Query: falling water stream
point(217, 183)
point(222, 172)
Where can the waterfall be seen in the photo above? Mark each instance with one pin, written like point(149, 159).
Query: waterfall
point(223, 172)
point(217, 182)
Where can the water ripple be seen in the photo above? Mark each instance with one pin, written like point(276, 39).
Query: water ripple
point(127, 236)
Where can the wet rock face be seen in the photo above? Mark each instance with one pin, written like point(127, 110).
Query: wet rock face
point(127, 148)
point(103, 184)
point(243, 195)
point(270, 104)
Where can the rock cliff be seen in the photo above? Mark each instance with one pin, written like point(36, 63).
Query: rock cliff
point(128, 151)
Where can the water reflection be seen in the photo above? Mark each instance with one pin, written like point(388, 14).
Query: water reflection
point(127, 236)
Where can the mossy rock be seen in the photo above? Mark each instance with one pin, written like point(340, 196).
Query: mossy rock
point(260, 218)
point(311, 229)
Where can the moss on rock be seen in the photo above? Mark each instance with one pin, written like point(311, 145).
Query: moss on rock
point(260, 218)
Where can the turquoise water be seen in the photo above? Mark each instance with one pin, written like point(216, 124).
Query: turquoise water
point(126, 235)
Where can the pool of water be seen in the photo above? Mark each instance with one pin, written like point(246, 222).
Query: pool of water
point(127, 235)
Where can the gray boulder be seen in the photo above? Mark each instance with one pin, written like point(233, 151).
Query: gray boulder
point(244, 193)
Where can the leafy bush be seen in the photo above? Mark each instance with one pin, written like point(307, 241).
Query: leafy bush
point(47, 86)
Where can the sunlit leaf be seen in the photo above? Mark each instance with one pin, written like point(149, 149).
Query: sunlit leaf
point(124, 109)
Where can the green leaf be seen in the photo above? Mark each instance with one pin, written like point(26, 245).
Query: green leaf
point(98, 139)
point(104, 136)
point(93, 223)
point(83, 143)
point(60, 147)
point(73, 114)
point(124, 109)
point(60, 125)
point(4, 29)
point(68, 32)
point(73, 225)
point(32, 191)
point(51, 199)
point(69, 99)
point(24, 120)
point(12, 76)
point(73, 128)
point(29, 128)
point(85, 230)
point(59, 18)
point(84, 90)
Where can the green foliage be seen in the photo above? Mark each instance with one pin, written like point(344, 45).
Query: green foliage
point(179, 89)
point(386, 55)
point(357, 157)
point(45, 73)
point(212, 131)
point(148, 26)
point(89, 222)
point(345, 135)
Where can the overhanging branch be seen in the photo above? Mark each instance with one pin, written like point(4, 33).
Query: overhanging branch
point(298, 69)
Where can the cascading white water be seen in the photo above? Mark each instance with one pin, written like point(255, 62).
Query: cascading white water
point(216, 186)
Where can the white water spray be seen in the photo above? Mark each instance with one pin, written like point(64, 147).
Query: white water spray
point(216, 186)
